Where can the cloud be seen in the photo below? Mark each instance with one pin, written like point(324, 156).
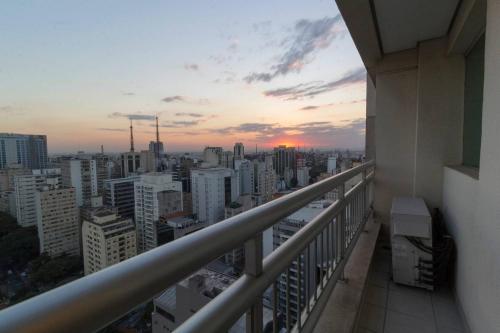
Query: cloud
point(192, 67)
point(180, 123)
point(245, 128)
point(348, 133)
point(128, 94)
point(312, 89)
point(310, 107)
point(309, 36)
point(315, 107)
point(112, 129)
point(132, 116)
point(184, 99)
point(189, 114)
point(171, 99)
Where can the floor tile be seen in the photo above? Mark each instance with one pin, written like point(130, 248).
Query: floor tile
point(397, 322)
point(376, 296)
point(378, 279)
point(410, 303)
point(372, 318)
point(446, 313)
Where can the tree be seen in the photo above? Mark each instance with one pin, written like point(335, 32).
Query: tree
point(19, 246)
point(8, 224)
point(46, 270)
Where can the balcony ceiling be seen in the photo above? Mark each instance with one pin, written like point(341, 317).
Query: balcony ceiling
point(402, 24)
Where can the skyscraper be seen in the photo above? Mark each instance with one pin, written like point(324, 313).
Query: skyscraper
point(239, 151)
point(82, 175)
point(25, 188)
point(212, 190)
point(156, 194)
point(264, 179)
point(58, 221)
point(30, 151)
point(107, 239)
point(212, 156)
point(119, 194)
point(285, 163)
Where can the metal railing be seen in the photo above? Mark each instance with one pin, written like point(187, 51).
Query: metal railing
point(92, 302)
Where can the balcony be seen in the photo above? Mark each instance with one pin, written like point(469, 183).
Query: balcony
point(417, 100)
point(327, 241)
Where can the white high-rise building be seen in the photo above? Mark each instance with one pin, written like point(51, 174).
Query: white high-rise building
point(332, 165)
point(58, 221)
point(156, 194)
point(303, 176)
point(212, 190)
point(25, 188)
point(244, 171)
point(227, 159)
point(212, 156)
point(264, 180)
point(82, 175)
point(107, 239)
point(238, 151)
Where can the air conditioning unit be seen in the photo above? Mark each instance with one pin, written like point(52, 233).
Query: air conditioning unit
point(411, 240)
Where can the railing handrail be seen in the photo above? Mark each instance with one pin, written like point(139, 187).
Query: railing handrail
point(223, 311)
point(92, 302)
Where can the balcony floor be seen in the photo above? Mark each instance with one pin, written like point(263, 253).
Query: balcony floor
point(392, 308)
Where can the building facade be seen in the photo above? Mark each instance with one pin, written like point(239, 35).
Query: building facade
point(212, 190)
point(25, 189)
point(30, 151)
point(107, 239)
point(156, 194)
point(82, 175)
point(58, 221)
point(119, 194)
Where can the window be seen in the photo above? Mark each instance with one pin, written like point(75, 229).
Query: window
point(473, 104)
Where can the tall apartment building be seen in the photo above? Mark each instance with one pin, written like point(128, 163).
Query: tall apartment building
point(264, 179)
point(25, 188)
point(227, 159)
point(212, 156)
point(244, 172)
point(156, 194)
point(107, 239)
point(212, 190)
point(58, 221)
point(303, 176)
point(285, 163)
point(82, 175)
point(103, 171)
point(30, 151)
point(239, 151)
point(133, 163)
point(7, 176)
point(331, 167)
point(282, 231)
point(119, 194)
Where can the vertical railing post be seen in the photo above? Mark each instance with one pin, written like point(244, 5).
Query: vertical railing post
point(340, 238)
point(253, 267)
point(365, 193)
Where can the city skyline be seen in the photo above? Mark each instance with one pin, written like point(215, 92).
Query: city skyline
point(261, 82)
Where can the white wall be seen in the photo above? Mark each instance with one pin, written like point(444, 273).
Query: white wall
point(418, 122)
point(473, 207)
point(396, 109)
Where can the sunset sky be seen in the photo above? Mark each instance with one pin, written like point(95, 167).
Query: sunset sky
point(215, 72)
